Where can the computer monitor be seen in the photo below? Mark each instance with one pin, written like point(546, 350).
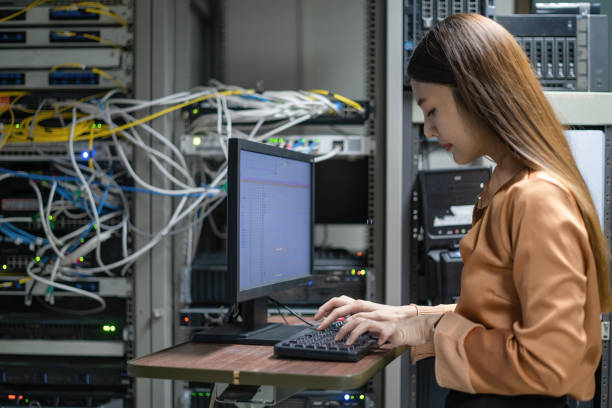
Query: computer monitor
point(270, 198)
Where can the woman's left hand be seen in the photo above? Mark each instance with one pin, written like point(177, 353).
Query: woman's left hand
point(411, 331)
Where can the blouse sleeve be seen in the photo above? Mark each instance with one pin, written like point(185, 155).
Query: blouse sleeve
point(537, 355)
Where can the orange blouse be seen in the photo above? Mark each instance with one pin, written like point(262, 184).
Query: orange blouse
point(528, 317)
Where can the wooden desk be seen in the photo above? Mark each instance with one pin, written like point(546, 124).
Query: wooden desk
point(257, 365)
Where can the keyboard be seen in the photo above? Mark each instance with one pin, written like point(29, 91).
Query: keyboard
point(313, 344)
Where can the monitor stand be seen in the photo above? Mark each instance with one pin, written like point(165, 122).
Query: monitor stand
point(254, 328)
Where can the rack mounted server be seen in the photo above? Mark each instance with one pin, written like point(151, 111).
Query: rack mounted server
point(567, 52)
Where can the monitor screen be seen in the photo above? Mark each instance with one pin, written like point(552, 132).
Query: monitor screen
point(270, 236)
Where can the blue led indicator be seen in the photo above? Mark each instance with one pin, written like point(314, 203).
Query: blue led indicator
point(347, 397)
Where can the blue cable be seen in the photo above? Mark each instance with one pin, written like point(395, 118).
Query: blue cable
point(75, 179)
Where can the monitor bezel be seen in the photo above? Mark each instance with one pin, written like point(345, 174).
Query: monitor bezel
point(235, 146)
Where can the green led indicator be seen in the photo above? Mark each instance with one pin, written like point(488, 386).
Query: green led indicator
point(50, 218)
point(197, 141)
point(352, 272)
point(82, 240)
point(193, 394)
point(81, 259)
point(27, 401)
point(113, 328)
point(362, 397)
point(281, 140)
point(273, 140)
point(4, 267)
point(201, 394)
point(303, 140)
point(195, 111)
point(106, 328)
point(37, 259)
point(99, 125)
point(93, 126)
point(17, 126)
point(352, 397)
point(95, 226)
point(207, 394)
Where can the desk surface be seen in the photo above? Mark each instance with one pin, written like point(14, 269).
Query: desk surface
point(257, 365)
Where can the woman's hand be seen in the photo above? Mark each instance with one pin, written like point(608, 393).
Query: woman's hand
point(344, 305)
point(410, 331)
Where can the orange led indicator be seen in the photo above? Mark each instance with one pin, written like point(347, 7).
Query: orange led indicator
point(21, 397)
point(186, 319)
point(12, 396)
point(359, 253)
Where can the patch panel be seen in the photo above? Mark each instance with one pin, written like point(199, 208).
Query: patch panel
point(12, 37)
point(9, 79)
point(77, 36)
point(5, 12)
point(73, 78)
point(71, 15)
point(45, 58)
point(208, 146)
point(51, 16)
point(41, 80)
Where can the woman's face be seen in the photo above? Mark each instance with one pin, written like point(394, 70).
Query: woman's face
point(462, 134)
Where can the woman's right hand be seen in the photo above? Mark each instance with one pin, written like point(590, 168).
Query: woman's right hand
point(344, 306)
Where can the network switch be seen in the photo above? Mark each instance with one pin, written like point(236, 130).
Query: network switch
point(63, 371)
point(208, 146)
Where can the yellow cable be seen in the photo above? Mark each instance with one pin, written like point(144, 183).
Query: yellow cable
point(339, 97)
point(103, 41)
point(68, 65)
point(110, 78)
point(29, 7)
point(91, 139)
point(109, 14)
point(61, 134)
point(91, 37)
point(163, 112)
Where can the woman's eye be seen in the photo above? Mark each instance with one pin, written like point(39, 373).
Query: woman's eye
point(431, 112)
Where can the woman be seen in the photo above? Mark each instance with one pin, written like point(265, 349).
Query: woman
point(535, 274)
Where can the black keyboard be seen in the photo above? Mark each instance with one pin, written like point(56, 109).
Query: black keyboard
point(320, 345)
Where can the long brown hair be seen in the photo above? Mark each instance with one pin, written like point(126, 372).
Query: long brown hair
point(493, 80)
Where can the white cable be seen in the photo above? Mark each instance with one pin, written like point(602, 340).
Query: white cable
point(282, 127)
point(64, 287)
point(92, 201)
point(328, 155)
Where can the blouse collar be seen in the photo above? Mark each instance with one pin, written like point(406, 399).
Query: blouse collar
point(504, 172)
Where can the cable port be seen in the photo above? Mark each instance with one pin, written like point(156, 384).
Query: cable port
point(12, 37)
point(12, 78)
point(73, 78)
point(10, 12)
point(64, 36)
point(79, 14)
point(338, 144)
